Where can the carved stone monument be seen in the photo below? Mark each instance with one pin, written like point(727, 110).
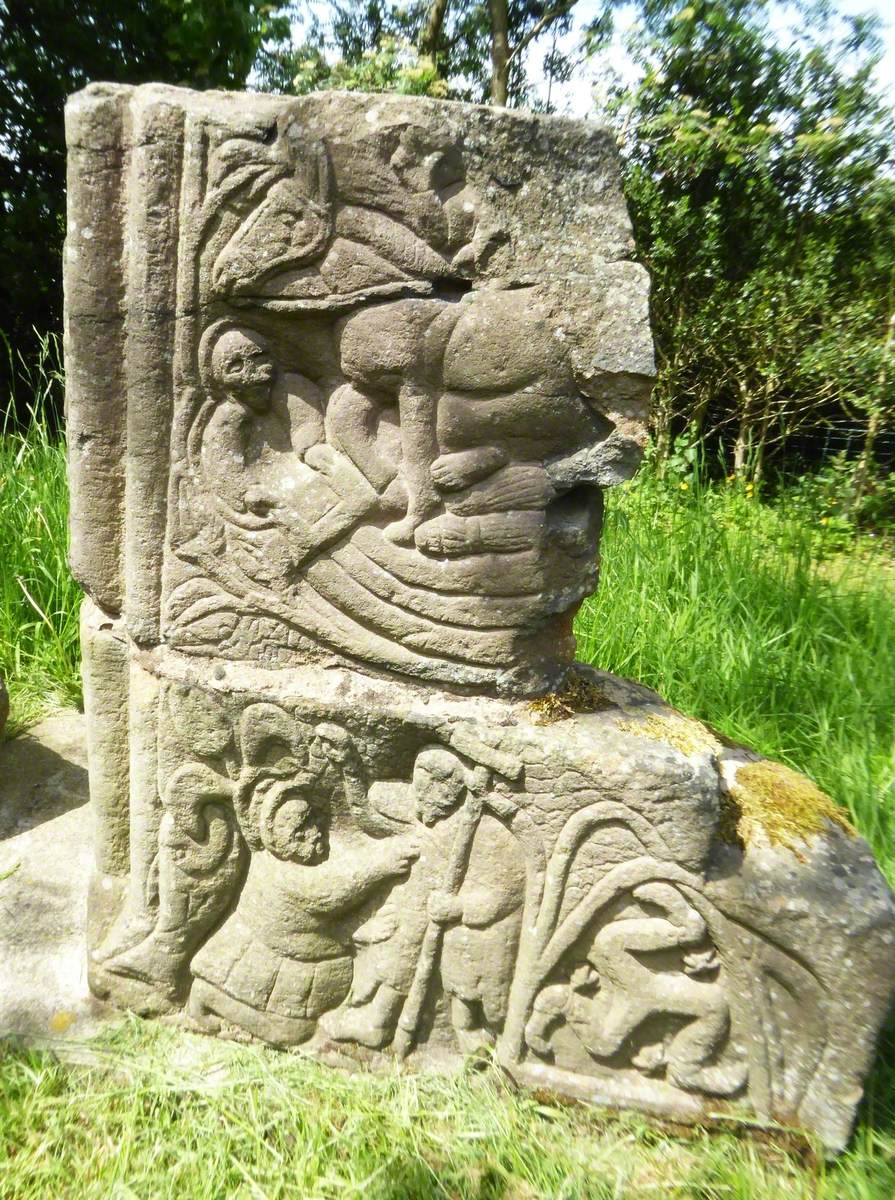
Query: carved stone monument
point(347, 376)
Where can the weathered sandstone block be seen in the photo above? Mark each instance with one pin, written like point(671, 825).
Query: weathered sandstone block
point(347, 378)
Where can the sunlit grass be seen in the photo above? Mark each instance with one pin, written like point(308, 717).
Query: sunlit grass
point(164, 1114)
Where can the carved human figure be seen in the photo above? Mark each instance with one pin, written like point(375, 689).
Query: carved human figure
point(280, 959)
point(615, 991)
point(480, 918)
point(485, 401)
point(283, 493)
point(198, 862)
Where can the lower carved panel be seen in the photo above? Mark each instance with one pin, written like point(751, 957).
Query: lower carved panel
point(357, 865)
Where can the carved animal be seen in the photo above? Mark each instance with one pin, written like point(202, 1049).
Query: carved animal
point(629, 992)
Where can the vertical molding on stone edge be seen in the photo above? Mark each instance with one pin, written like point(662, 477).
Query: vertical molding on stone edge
point(145, 802)
point(153, 192)
point(106, 673)
point(93, 277)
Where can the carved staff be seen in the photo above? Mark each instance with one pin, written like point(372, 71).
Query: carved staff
point(408, 1022)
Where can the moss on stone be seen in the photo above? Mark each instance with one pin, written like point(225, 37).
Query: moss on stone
point(684, 733)
point(579, 695)
point(771, 802)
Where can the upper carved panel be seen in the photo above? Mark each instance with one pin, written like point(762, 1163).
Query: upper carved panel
point(407, 352)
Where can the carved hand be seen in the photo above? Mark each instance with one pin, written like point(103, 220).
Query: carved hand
point(445, 908)
point(399, 854)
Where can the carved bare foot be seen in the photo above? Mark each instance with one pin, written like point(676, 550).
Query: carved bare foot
point(448, 537)
point(355, 1025)
point(551, 1004)
point(649, 1058)
point(719, 1080)
point(402, 532)
point(512, 489)
point(452, 472)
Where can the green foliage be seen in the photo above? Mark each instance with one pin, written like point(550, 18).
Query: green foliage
point(39, 600)
point(158, 1113)
point(375, 45)
point(54, 47)
point(760, 180)
point(394, 66)
point(763, 620)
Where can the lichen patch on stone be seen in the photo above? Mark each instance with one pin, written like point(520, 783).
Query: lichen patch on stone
point(683, 733)
point(580, 695)
point(770, 802)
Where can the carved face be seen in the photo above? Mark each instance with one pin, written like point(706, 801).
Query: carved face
point(439, 785)
point(292, 828)
point(242, 365)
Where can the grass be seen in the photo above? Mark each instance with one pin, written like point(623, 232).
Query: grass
point(161, 1114)
point(39, 655)
point(752, 619)
point(743, 614)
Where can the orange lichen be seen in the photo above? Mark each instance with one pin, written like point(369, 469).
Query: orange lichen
point(579, 695)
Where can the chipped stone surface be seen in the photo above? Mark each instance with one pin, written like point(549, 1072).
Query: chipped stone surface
point(347, 378)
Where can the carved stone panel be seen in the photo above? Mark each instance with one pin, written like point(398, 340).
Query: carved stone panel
point(382, 356)
point(347, 378)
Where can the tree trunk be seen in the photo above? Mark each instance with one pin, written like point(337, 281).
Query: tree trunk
point(431, 31)
point(874, 425)
point(743, 442)
point(662, 436)
point(500, 52)
point(764, 426)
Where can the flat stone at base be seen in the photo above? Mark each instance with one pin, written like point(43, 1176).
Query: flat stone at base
point(45, 856)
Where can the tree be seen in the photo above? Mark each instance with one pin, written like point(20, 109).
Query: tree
point(759, 176)
point(50, 48)
point(466, 49)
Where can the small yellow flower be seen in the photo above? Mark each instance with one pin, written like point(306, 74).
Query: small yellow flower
point(825, 520)
point(685, 487)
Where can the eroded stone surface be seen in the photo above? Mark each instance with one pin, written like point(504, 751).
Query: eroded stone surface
point(380, 357)
point(348, 376)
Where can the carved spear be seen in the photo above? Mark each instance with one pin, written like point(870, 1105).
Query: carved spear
point(409, 1020)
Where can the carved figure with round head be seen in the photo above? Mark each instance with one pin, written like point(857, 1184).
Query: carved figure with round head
point(439, 784)
point(242, 367)
point(284, 820)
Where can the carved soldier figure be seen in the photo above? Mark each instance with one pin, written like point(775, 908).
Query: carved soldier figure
point(481, 918)
point(279, 960)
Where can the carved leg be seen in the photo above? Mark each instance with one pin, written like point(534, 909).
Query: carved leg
point(417, 407)
point(471, 1033)
point(207, 1004)
point(371, 1024)
point(696, 1043)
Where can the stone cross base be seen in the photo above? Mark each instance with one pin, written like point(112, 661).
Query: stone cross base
point(316, 858)
point(347, 377)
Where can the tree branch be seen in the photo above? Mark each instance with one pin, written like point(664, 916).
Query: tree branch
point(538, 28)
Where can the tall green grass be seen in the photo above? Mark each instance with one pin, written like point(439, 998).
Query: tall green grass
point(38, 598)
